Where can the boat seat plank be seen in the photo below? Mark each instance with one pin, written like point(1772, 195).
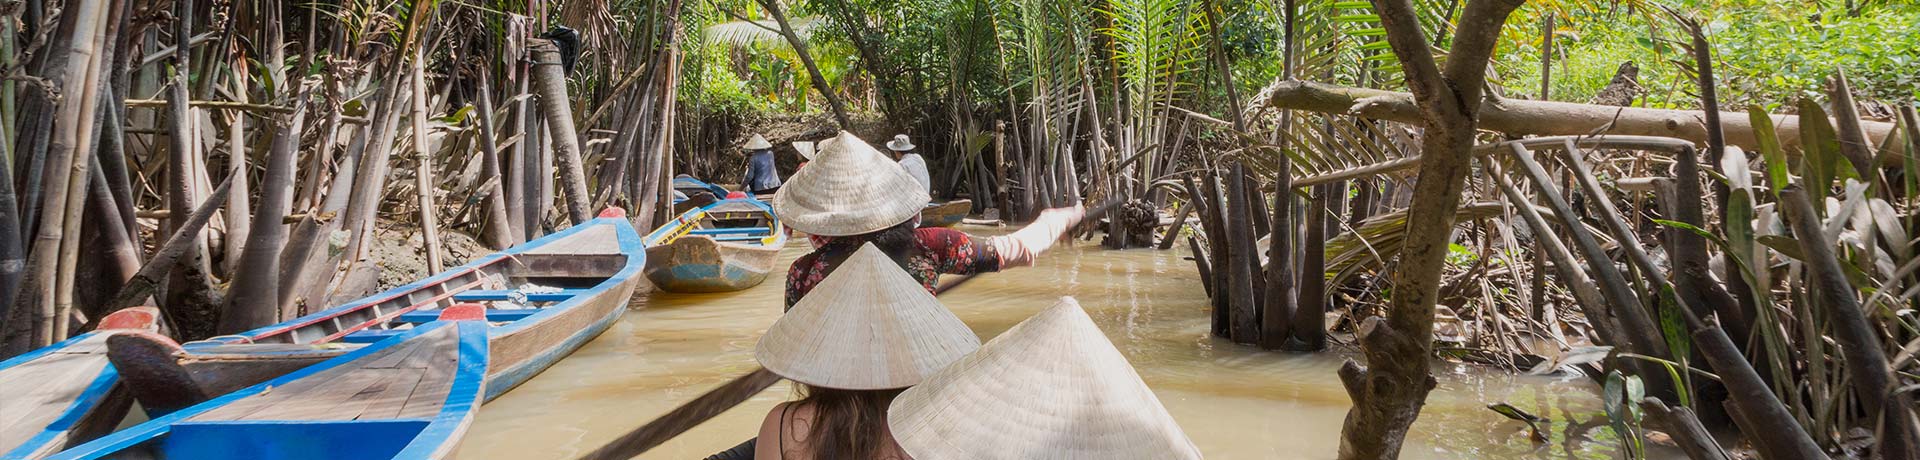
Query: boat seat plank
point(741, 238)
point(495, 295)
point(213, 348)
point(40, 391)
point(372, 335)
point(730, 231)
point(495, 316)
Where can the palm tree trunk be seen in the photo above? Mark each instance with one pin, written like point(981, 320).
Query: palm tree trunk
point(254, 299)
point(496, 230)
point(550, 80)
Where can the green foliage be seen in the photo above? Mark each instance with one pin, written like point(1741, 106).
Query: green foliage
point(1763, 50)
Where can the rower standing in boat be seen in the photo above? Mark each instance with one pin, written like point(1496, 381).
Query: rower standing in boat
point(762, 177)
point(857, 196)
point(910, 161)
point(868, 334)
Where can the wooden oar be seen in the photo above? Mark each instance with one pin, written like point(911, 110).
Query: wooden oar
point(734, 392)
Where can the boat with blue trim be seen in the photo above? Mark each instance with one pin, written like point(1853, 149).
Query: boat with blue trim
point(726, 246)
point(66, 393)
point(408, 396)
point(544, 299)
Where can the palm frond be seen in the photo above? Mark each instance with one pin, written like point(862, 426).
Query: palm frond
point(760, 32)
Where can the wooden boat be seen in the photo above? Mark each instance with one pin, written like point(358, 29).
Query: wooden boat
point(409, 396)
point(945, 214)
point(690, 193)
point(66, 393)
point(546, 298)
point(726, 246)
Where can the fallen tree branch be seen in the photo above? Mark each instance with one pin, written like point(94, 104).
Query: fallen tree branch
point(1546, 118)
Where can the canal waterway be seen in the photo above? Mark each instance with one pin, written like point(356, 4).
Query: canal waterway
point(1236, 402)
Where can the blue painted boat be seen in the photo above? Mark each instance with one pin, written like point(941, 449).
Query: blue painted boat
point(725, 246)
point(410, 396)
point(65, 393)
point(545, 299)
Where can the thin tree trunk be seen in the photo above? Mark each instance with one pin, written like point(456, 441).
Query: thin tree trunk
point(550, 81)
point(806, 58)
point(1390, 391)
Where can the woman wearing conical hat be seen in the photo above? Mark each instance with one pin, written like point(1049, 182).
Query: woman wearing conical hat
point(1052, 387)
point(761, 175)
point(855, 195)
point(870, 332)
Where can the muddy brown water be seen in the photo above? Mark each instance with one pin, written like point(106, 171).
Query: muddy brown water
point(1236, 402)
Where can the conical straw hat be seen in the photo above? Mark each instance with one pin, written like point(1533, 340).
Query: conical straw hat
point(849, 189)
point(805, 148)
point(1052, 387)
point(868, 326)
point(757, 142)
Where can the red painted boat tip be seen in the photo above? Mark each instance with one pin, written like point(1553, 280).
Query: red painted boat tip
point(613, 211)
point(464, 312)
point(131, 318)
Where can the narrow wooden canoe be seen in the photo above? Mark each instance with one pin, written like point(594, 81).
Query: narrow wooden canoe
point(945, 214)
point(66, 393)
point(726, 246)
point(546, 298)
point(409, 396)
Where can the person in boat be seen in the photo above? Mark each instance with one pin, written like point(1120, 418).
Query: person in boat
point(1053, 386)
point(857, 196)
point(762, 177)
point(870, 332)
point(909, 160)
point(805, 149)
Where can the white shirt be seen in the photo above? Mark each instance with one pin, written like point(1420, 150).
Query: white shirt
point(918, 168)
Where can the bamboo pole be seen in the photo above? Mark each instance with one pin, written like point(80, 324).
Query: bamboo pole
point(55, 254)
point(550, 81)
point(423, 163)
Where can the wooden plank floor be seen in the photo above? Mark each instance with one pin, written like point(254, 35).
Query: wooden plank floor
point(597, 239)
point(407, 380)
point(37, 392)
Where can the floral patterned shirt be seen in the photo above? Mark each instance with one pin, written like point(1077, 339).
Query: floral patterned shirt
point(942, 250)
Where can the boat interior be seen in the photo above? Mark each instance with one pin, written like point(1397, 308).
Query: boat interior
point(511, 287)
point(373, 406)
point(731, 221)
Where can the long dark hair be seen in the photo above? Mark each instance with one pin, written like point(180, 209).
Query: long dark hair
point(897, 242)
point(847, 424)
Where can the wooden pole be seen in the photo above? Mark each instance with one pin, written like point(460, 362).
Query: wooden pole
point(423, 163)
